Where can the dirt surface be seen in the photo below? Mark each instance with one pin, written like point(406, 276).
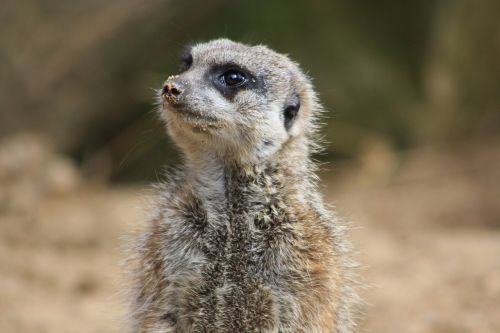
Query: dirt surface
point(427, 231)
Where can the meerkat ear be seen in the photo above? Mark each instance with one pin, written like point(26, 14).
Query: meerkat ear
point(291, 110)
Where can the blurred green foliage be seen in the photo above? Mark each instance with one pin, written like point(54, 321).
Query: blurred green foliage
point(403, 73)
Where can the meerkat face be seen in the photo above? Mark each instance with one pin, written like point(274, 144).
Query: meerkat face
point(236, 99)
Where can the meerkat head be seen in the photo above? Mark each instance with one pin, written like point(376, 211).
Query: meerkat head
point(239, 101)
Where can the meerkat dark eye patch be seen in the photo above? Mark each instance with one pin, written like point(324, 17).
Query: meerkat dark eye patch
point(186, 60)
point(290, 112)
point(230, 78)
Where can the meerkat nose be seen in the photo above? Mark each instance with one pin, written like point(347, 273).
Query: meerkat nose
point(172, 91)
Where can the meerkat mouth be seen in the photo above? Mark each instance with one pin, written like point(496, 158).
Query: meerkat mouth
point(198, 120)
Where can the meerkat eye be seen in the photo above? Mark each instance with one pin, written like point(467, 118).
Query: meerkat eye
point(233, 78)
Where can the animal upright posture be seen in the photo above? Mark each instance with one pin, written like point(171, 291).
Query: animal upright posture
point(241, 240)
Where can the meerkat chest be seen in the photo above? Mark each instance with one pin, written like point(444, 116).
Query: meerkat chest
point(243, 260)
point(233, 259)
point(244, 235)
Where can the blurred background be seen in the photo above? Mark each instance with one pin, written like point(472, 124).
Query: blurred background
point(412, 91)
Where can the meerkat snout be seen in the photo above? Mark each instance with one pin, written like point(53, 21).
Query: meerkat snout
point(173, 91)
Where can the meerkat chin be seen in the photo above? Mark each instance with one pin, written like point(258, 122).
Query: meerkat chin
point(241, 240)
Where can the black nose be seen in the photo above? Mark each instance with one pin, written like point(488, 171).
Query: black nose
point(172, 91)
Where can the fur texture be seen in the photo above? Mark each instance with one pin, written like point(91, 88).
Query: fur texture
point(241, 240)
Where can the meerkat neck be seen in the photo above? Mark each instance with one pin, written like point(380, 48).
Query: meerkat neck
point(210, 173)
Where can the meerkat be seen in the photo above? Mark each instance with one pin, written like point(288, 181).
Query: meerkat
point(241, 240)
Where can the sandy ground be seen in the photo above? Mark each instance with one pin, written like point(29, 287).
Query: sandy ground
point(427, 231)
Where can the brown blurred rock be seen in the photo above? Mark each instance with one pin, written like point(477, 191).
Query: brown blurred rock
point(30, 169)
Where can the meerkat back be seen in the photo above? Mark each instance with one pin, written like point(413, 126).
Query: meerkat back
point(241, 240)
